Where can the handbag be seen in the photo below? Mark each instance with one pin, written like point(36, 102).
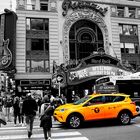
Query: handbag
point(2, 118)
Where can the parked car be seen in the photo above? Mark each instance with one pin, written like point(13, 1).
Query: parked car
point(97, 107)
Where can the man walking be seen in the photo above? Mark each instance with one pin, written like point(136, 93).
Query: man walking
point(29, 109)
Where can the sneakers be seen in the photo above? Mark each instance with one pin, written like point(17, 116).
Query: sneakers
point(22, 124)
point(29, 134)
point(49, 138)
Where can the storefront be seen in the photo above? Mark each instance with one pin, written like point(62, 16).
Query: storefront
point(81, 79)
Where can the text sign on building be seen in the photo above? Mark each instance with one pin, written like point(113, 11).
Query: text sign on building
point(88, 72)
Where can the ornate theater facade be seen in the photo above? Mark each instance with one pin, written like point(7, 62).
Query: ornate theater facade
point(75, 40)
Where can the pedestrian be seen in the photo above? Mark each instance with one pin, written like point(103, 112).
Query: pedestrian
point(8, 104)
point(46, 119)
point(1, 104)
point(29, 109)
point(21, 114)
point(16, 111)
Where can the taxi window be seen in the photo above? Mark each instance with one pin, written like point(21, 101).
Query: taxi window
point(96, 100)
point(82, 100)
point(109, 99)
point(119, 98)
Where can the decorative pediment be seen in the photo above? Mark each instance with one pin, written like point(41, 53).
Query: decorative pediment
point(77, 4)
point(99, 57)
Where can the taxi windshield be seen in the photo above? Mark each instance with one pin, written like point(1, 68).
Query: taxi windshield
point(82, 100)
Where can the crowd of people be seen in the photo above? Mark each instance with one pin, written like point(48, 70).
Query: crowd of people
point(22, 111)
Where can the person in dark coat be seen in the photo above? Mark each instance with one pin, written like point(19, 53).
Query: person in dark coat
point(29, 109)
point(46, 119)
point(16, 112)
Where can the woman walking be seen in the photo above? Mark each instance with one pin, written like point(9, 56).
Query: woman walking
point(46, 119)
point(16, 108)
point(21, 115)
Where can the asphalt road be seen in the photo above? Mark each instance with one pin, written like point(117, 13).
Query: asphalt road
point(110, 130)
point(102, 130)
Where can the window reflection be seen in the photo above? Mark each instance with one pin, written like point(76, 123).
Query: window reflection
point(128, 29)
point(37, 66)
point(120, 11)
point(37, 47)
point(44, 5)
point(132, 12)
point(37, 24)
point(129, 48)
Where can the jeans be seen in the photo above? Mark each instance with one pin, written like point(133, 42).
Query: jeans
point(29, 122)
point(47, 132)
point(17, 115)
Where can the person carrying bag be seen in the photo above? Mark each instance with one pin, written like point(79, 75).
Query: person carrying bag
point(2, 118)
point(46, 119)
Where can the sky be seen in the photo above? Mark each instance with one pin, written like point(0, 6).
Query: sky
point(6, 4)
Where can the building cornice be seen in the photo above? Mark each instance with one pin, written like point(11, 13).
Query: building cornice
point(117, 2)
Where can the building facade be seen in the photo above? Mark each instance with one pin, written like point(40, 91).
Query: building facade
point(66, 31)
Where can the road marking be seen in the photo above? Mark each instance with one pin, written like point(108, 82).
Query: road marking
point(138, 125)
point(75, 138)
point(19, 133)
point(24, 127)
point(57, 135)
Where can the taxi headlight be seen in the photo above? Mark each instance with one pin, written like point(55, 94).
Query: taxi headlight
point(62, 110)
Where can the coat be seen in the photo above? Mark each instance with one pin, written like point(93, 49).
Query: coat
point(29, 107)
point(46, 118)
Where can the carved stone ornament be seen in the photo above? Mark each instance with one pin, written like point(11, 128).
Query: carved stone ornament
point(77, 4)
point(20, 4)
point(79, 15)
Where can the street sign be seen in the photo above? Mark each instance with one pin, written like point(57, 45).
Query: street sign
point(58, 80)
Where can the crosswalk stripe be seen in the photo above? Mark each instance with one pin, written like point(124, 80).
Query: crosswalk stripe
point(14, 137)
point(24, 127)
point(11, 132)
point(138, 125)
point(16, 131)
point(74, 138)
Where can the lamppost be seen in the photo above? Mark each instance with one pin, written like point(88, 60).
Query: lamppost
point(60, 79)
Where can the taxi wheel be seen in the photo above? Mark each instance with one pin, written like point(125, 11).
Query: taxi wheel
point(124, 118)
point(74, 121)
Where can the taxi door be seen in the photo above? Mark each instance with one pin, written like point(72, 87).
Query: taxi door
point(94, 109)
point(112, 106)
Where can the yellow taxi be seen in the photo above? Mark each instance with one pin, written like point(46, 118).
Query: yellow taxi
point(97, 107)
